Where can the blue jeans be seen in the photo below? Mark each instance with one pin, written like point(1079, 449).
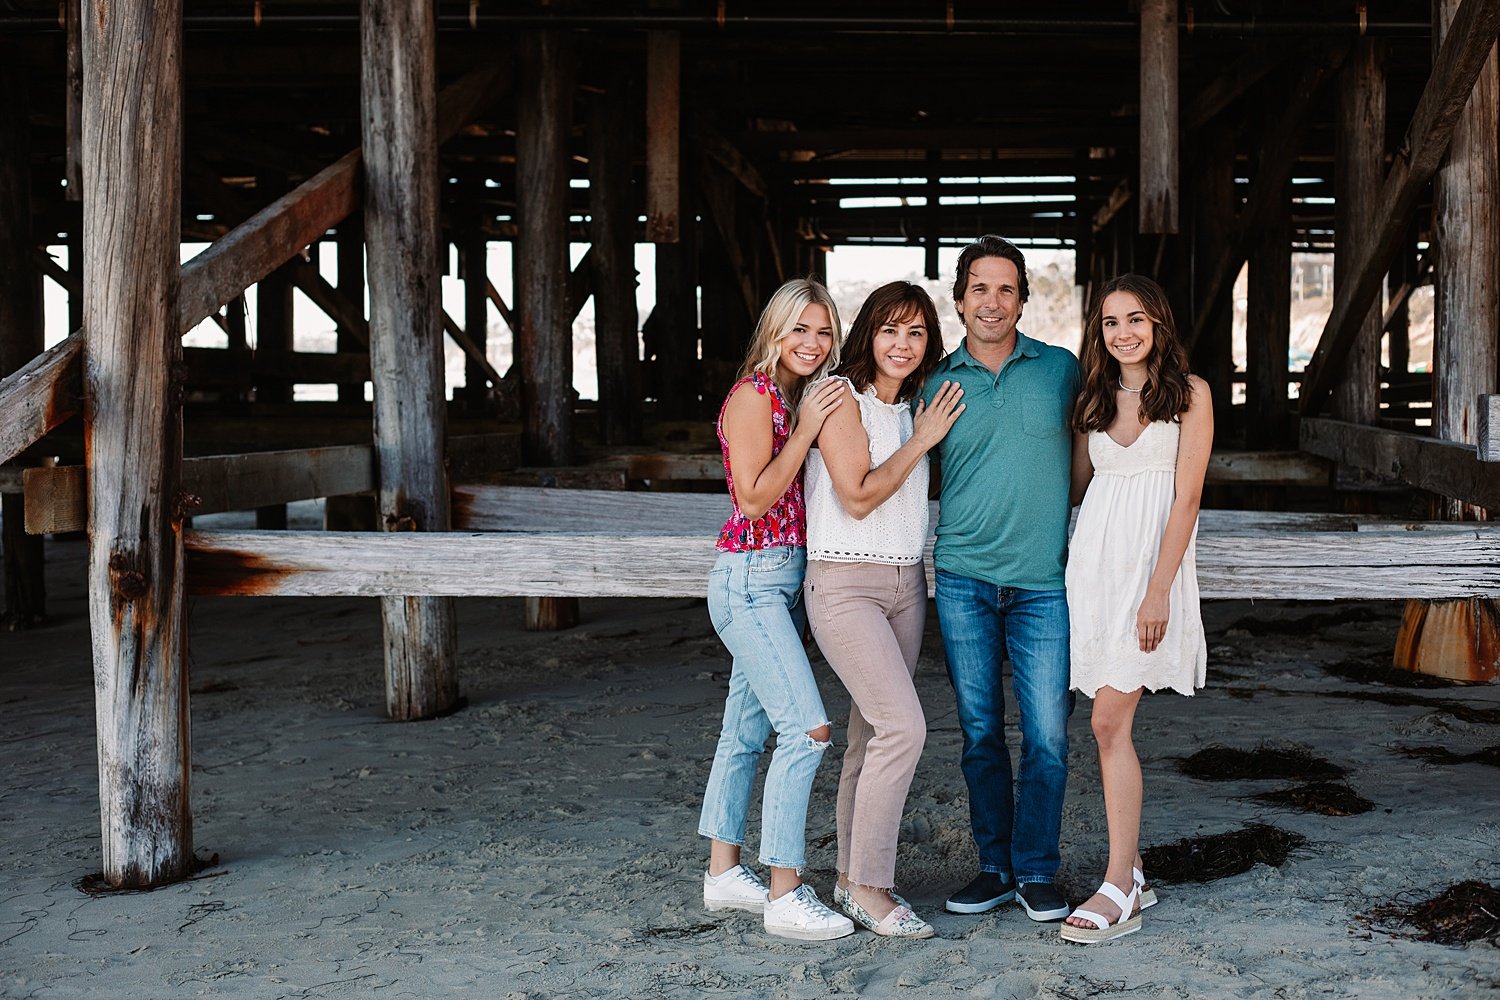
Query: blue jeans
point(1015, 829)
point(755, 603)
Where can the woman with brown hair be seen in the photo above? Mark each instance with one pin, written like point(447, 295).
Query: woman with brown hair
point(1143, 429)
point(866, 591)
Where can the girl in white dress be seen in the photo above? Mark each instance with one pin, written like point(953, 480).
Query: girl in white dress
point(1143, 431)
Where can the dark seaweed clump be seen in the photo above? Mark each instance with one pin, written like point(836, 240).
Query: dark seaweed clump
point(1442, 755)
point(1220, 855)
point(1290, 761)
point(1331, 798)
point(1460, 914)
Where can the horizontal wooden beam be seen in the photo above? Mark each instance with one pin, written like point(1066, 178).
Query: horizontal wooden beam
point(1443, 467)
point(215, 483)
point(218, 366)
point(40, 395)
point(1468, 43)
point(1284, 564)
point(1266, 468)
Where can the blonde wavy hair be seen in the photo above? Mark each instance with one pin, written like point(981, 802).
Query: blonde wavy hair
point(776, 322)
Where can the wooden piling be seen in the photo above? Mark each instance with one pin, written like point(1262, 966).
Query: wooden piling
point(20, 334)
point(1159, 117)
point(1459, 638)
point(1359, 172)
point(349, 243)
point(1268, 329)
point(132, 151)
point(474, 256)
point(1213, 210)
point(399, 96)
point(612, 229)
point(544, 338)
point(663, 136)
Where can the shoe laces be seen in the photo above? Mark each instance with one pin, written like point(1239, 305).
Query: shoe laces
point(746, 878)
point(805, 898)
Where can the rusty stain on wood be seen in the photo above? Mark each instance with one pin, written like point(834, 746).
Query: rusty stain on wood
point(231, 573)
point(1457, 639)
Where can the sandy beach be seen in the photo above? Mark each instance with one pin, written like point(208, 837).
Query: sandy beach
point(541, 842)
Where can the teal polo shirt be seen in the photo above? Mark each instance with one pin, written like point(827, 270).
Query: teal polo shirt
point(1005, 466)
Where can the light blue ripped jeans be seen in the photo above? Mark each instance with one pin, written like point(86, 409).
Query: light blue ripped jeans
point(755, 602)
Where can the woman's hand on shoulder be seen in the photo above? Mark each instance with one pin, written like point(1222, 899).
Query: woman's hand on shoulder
point(931, 423)
point(817, 403)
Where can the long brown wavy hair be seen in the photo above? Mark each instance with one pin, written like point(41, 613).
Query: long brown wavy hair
point(1166, 394)
point(897, 301)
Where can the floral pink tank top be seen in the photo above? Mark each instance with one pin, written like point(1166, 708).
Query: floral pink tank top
point(786, 522)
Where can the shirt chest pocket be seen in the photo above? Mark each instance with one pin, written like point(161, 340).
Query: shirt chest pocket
point(1044, 416)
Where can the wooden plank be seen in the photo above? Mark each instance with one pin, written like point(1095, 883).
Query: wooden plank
point(612, 229)
point(480, 507)
point(544, 339)
point(215, 483)
point(1488, 431)
point(1158, 117)
point(1443, 467)
point(132, 151)
point(1359, 169)
point(56, 499)
point(1457, 66)
point(500, 304)
point(217, 366)
point(1283, 565)
point(347, 314)
point(663, 136)
point(1271, 468)
point(473, 353)
point(39, 396)
point(398, 90)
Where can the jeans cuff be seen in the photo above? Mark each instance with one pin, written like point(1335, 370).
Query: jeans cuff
point(993, 870)
point(1030, 879)
point(723, 840)
point(800, 866)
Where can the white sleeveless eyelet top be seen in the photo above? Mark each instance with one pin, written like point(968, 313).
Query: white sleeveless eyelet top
point(893, 533)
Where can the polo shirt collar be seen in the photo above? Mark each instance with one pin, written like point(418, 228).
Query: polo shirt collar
point(1025, 347)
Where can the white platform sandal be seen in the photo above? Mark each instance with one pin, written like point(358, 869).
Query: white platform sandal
point(1103, 930)
point(1148, 894)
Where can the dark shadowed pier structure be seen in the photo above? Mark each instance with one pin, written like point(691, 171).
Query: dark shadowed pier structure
point(743, 142)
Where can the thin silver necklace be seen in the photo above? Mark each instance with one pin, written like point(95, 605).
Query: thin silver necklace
point(1127, 388)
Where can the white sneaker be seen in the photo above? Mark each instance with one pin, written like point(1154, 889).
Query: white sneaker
point(801, 914)
point(736, 889)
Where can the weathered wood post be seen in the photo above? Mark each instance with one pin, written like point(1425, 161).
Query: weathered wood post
point(473, 257)
point(349, 262)
point(273, 339)
point(20, 334)
point(612, 229)
point(1462, 638)
point(1359, 172)
point(1214, 207)
point(132, 151)
point(399, 94)
point(544, 340)
point(544, 334)
point(1159, 117)
point(1268, 329)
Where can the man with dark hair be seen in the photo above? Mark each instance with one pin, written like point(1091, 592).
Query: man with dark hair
point(1001, 540)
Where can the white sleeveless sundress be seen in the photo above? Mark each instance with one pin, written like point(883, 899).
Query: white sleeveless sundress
point(1110, 560)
